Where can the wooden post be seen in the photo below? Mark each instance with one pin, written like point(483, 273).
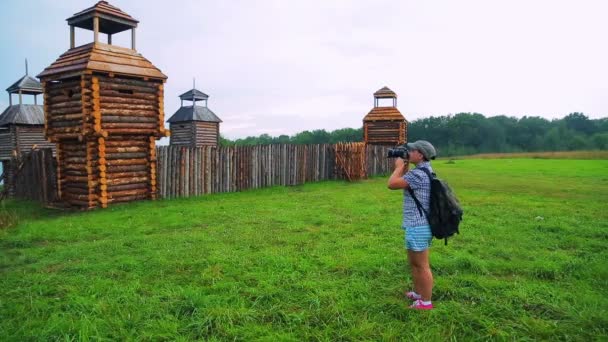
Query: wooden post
point(133, 38)
point(19, 96)
point(72, 37)
point(109, 39)
point(10, 101)
point(95, 29)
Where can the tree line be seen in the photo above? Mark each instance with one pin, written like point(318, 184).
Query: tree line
point(471, 133)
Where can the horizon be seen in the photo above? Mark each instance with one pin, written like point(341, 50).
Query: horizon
point(280, 69)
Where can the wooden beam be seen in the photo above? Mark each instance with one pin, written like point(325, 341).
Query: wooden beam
point(95, 29)
point(72, 37)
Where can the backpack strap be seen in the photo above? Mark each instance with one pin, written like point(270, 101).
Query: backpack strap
point(418, 204)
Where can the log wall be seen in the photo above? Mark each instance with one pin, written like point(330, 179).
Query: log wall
point(7, 144)
point(385, 132)
point(106, 128)
point(182, 133)
point(206, 133)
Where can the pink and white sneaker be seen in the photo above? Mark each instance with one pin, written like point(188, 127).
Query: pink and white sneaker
point(413, 295)
point(419, 305)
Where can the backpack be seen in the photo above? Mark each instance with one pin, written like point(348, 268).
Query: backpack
point(445, 211)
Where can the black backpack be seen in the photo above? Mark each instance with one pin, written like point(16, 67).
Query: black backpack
point(445, 214)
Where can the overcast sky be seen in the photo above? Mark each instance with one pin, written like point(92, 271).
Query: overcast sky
point(281, 67)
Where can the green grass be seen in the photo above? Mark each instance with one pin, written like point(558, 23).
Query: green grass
point(322, 261)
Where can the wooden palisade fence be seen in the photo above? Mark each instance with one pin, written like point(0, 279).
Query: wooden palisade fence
point(34, 176)
point(193, 171)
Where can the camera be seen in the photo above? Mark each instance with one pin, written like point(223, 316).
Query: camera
point(399, 151)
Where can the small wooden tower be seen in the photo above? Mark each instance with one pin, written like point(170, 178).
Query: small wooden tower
point(385, 125)
point(104, 108)
point(21, 125)
point(194, 125)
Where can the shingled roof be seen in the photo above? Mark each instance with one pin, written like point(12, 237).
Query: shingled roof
point(194, 113)
point(22, 114)
point(111, 19)
point(105, 58)
point(27, 84)
point(385, 93)
point(194, 94)
point(384, 114)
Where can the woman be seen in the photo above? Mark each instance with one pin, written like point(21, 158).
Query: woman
point(417, 230)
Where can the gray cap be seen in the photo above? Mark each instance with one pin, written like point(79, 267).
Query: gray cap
point(425, 147)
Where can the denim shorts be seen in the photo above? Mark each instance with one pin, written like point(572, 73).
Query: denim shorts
point(418, 239)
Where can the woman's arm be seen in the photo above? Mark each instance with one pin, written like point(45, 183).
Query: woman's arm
point(396, 180)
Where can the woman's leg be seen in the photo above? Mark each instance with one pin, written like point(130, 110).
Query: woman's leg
point(421, 273)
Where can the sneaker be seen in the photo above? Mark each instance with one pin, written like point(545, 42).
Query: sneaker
point(418, 305)
point(413, 295)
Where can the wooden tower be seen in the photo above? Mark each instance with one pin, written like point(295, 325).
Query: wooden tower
point(21, 125)
point(194, 125)
point(103, 106)
point(384, 125)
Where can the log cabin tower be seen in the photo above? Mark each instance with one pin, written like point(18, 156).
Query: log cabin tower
point(21, 125)
point(385, 125)
point(194, 125)
point(104, 108)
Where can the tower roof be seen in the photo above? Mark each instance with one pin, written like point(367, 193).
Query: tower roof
point(194, 113)
point(104, 58)
point(111, 19)
point(22, 114)
point(194, 94)
point(385, 93)
point(27, 84)
point(384, 114)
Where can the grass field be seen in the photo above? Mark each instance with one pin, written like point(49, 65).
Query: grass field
point(322, 261)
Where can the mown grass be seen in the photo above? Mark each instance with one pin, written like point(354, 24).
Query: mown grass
point(323, 261)
point(598, 154)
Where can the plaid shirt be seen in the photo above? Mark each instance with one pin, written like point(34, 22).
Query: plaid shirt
point(421, 185)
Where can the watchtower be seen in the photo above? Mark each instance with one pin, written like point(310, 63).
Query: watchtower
point(21, 125)
point(104, 108)
point(194, 125)
point(385, 125)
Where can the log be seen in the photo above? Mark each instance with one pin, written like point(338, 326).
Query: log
point(126, 155)
point(123, 193)
point(127, 162)
point(66, 104)
point(63, 124)
point(128, 112)
point(126, 168)
point(129, 119)
point(130, 180)
point(52, 111)
point(67, 116)
point(126, 87)
point(128, 198)
point(125, 149)
point(115, 93)
point(138, 131)
point(126, 143)
point(127, 81)
point(116, 188)
point(129, 125)
point(132, 174)
point(130, 105)
point(121, 100)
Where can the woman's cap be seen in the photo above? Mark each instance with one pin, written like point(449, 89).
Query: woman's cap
point(425, 147)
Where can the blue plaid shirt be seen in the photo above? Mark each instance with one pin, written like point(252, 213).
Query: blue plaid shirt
point(421, 184)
